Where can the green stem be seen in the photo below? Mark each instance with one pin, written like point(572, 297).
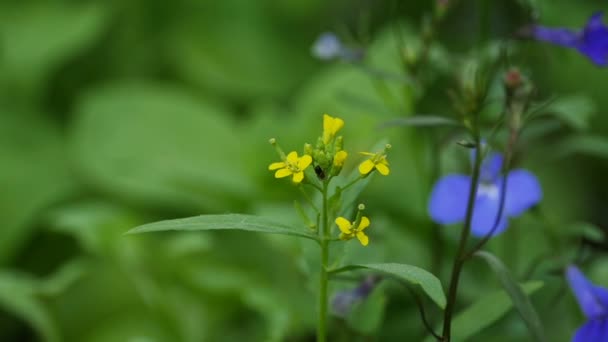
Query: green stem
point(459, 259)
point(324, 237)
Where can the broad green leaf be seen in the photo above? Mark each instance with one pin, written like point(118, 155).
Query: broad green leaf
point(590, 145)
point(485, 311)
point(367, 316)
point(518, 296)
point(421, 121)
point(223, 222)
point(411, 274)
point(33, 175)
point(575, 111)
point(170, 148)
point(252, 55)
point(37, 37)
point(18, 297)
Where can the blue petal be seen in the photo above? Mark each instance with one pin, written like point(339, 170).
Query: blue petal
point(491, 167)
point(448, 202)
point(485, 214)
point(559, 36)
point(586, 293)
point(601, 293)
point(523, 192)
point(594, 43)
point(595, 330)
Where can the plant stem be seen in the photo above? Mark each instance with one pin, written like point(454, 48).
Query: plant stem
point(464, 236)
point(323, 275)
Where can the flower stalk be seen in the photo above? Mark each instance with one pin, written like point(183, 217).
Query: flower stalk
point(460, 255)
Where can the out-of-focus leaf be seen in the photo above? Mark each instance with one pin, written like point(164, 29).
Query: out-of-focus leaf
point(63, 278)
point(518, 296)
point(590, 145)
point(421, 121)
point(223, 222)
point(18, 296)
point(251, 55)
point(411, 274)
point(575, 111)
point(169, 148)
point(367, 317)
point(33, 174)
point(484, 312)
point(37, 37)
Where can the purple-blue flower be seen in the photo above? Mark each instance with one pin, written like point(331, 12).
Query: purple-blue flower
point(593, 301)
point(327, 46)
point(448, 202)
point(344, 301)
point(591, 41)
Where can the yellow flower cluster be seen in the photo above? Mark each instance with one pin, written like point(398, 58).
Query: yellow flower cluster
point(329, 149)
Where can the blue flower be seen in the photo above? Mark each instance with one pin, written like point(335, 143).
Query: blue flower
point(344, 301)
point(593, 301)
point(592, 41)
point(448, 202)
point(327, 46)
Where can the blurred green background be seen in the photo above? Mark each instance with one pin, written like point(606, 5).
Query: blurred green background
point(117, 113)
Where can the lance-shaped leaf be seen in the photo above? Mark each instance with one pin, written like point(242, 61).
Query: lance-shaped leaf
point(485, 311)
point(518, 296)
point(411, 274)
point(223, 222)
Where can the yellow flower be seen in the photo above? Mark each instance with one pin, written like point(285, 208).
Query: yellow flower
point(349, 231)
point(339, 158)
point(331, 126)
point(293, 165)
point(376, 161)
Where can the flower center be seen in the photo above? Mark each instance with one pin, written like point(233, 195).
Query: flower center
point(488, 189)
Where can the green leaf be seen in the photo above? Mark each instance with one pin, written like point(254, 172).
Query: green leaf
point(421, 121)
point(486, 310)
point(594, 146)
point(575, 111)
point(518, 296)
point(223, 222)
point(38, 37)
point(32, 177)
point(171, 148)
point(18, 297)
point(411, 274)
point(367, 317)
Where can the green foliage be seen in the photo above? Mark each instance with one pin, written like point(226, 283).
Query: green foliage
point(519, 298)
point(114, 114)
point(410, 274)
point(220, 222)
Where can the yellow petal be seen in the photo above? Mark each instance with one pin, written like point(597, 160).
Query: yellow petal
point(344, 225)
point(366, 167)
point(337, 125)
point(383, 169)
point(364, 223)
point(298, 177)
point(304, 162)
point(339, 158)
point(277, 165)
point(292, 157)
point(367, 154)
point(363, 238)
point(282, 173)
